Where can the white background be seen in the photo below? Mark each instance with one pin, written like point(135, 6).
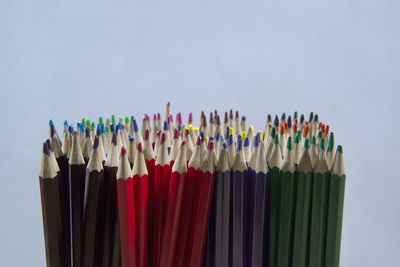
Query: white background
point(68, 59)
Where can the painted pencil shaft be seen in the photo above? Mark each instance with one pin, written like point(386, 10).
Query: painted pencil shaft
point(186, 217)
point(250, 178)
point(275, 177)
point(302, 220)
point(141, 218)
point(259, 246)
point(150, 167)
point(284, 250)
point(110, 213)
point(55, 246)
point(335, 210)
point(77, 192)
point(239, 240)
point(319, 209)
point(92, 219)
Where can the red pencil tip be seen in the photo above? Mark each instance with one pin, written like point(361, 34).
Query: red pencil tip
point(123, 151)
point(158, 133)
point(168, 104)
point(177, 133)
point(163, 138)
point(183, 143)
point(231, 114)
point(154, 116)
point(237, 115)
point(198, 142)
point(243, 118)
point(139, 147)
point(146, 134)
point(211, 145)
point(158, 116)
point(187, 132)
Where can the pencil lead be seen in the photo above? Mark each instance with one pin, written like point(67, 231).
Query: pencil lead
point(96, 142)
point(49, 145)
point(177, 133)
point(244, 134)
point(211, 145)
point(322, 144)
point(273, 131)
point(230, 139)
point(246, 141)
point(218, 120)
point(302, 118)
point(163, 138)
point(146, 134)
point(87, 132)
point(283, 117)
point(135, 126)
point(127, 120)
point(289, 143)
point(202, 136)
point(224, 145)
point(231, 114)
point(257, 140)
point(339, 149)
point(243, 118)
point(276, 121)
point(190, 120)
point(289, 121)
point(313, 140)
point(269, 118)
point(66, 123)
point(114, 139)
point(46, 149)
point(320, 134)
point(311, 117)
point(198, 142)
point(131, 139)
point(112, 128)
point(239, 144)
point(330, 142)
point(123, 151)
point(217, 136)
point(165, 128)
point(306, 144)
point(140, 148)
point(113, 119)
point(316, 118)
point(226, 117)
point(237, 114)
point(276, 140)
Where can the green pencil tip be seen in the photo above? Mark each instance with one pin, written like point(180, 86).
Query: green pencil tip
point(92, 126)
point(296, 139)
point(340, 149)
point(113, 118)
point(132, 118)
point(276, 140)
point(313, 140)
point(319, 134)
point(331, 142)
point(100, 120)
point(289, 143)
point(126, 120)
point(273, 132)
point(306, 144)
point(107, 129)
point(87, 122)
point(83, 122)
point(322, 145)
point(299, 134)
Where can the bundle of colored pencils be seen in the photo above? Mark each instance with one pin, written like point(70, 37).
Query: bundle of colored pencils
point(169, 194)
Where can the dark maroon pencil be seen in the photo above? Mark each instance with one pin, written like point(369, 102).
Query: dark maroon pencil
point(49, 181)
point(77, 171)
point(110, 205)
point(92, 207)
point(62, 163)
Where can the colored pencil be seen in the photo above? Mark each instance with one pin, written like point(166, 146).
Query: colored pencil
point(77, 172)
point(126, 212)
point(302, 209)
point(49, 181)
point(175, 198)
point(335, 210)
point(140, 185)
point(110, 204)
point(162, 173)
point(202, 208)
point(239, 203)
point(92, 208)
point(62, 163)
point(285, 234)
point(188, 200)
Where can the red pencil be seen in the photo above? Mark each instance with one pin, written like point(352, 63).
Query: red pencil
point(202, 207)
point(126, 211)
point(162, 173)
point(150, 162)
point(140, 185)
point(175, 203)
point(188, 199)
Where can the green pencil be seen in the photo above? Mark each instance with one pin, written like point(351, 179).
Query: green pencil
point(302, 209)
point(274, 176)
point(319, 209)
point(335, 210)
point(285, 234)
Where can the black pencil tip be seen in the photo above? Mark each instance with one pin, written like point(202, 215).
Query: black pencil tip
point(46, 149)
point(49, 145)
point(316, 118)
point(283, 117)
point(52, 130)
point(289, 121)
point(311, 117)
point(301, 118)
point(114, 139)
point(87, 132)
point(96, 142)
point(276, 121)
point(269, 119)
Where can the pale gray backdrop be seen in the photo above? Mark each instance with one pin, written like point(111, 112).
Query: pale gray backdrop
point(68, 59)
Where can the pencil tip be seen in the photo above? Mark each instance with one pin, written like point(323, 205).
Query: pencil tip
point(123, 151)
point(131, 139)
point(46, 149)
point(49, 145)
point(114, 139)
point(246, 141)
point(276, 121)
point(289, 143)
point(339, 149)
point(140, 147)
point(306, 144)
point(96, 142)
point(211, 145)
point(163, 138)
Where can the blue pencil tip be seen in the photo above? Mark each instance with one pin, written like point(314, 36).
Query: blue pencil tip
point(112, 128)
point(211, 139)
point(202, 136)
point(217, 136)
point(165, 126)
point(224, 145)
point(230, 139)
point(51, 122)
point(103, 129)
point(180, 127)
point(131, 139)
point(227, 132)
point(65, 123)
point(239, 144)
point(257, 140)
point(135, 126)
point(246, 141)
point(120, 126)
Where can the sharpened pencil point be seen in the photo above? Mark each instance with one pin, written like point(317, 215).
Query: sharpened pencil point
point(114, 139)
point(165, 128)
point(269, 118)
point(202, 136)
point(131, 139)
point(49, 145)
point(135, 126)
point(311, 117)
point(331, 142)
point(246, 141)
point(96, 142)
point(211, 145)
point(289, 143)
point(198, 142)
point(46, 149)
point(322, 144)
point(139, 148)
point(289, 121)
point(301, 118)
point(257, 140)
point(146, 134)
point(306, 144)
point(113, 118)
point(217, 136)
point(163, 138)
point(276, 121)
point(123, 151)
point(276, 140)
point(239, 144)
point(339, 149)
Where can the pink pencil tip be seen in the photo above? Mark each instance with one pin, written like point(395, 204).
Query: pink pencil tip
point(163, 138)
point(177, 133)
point(211, 145)
point(198, 142)
point(146, 134)
point(123, 151)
